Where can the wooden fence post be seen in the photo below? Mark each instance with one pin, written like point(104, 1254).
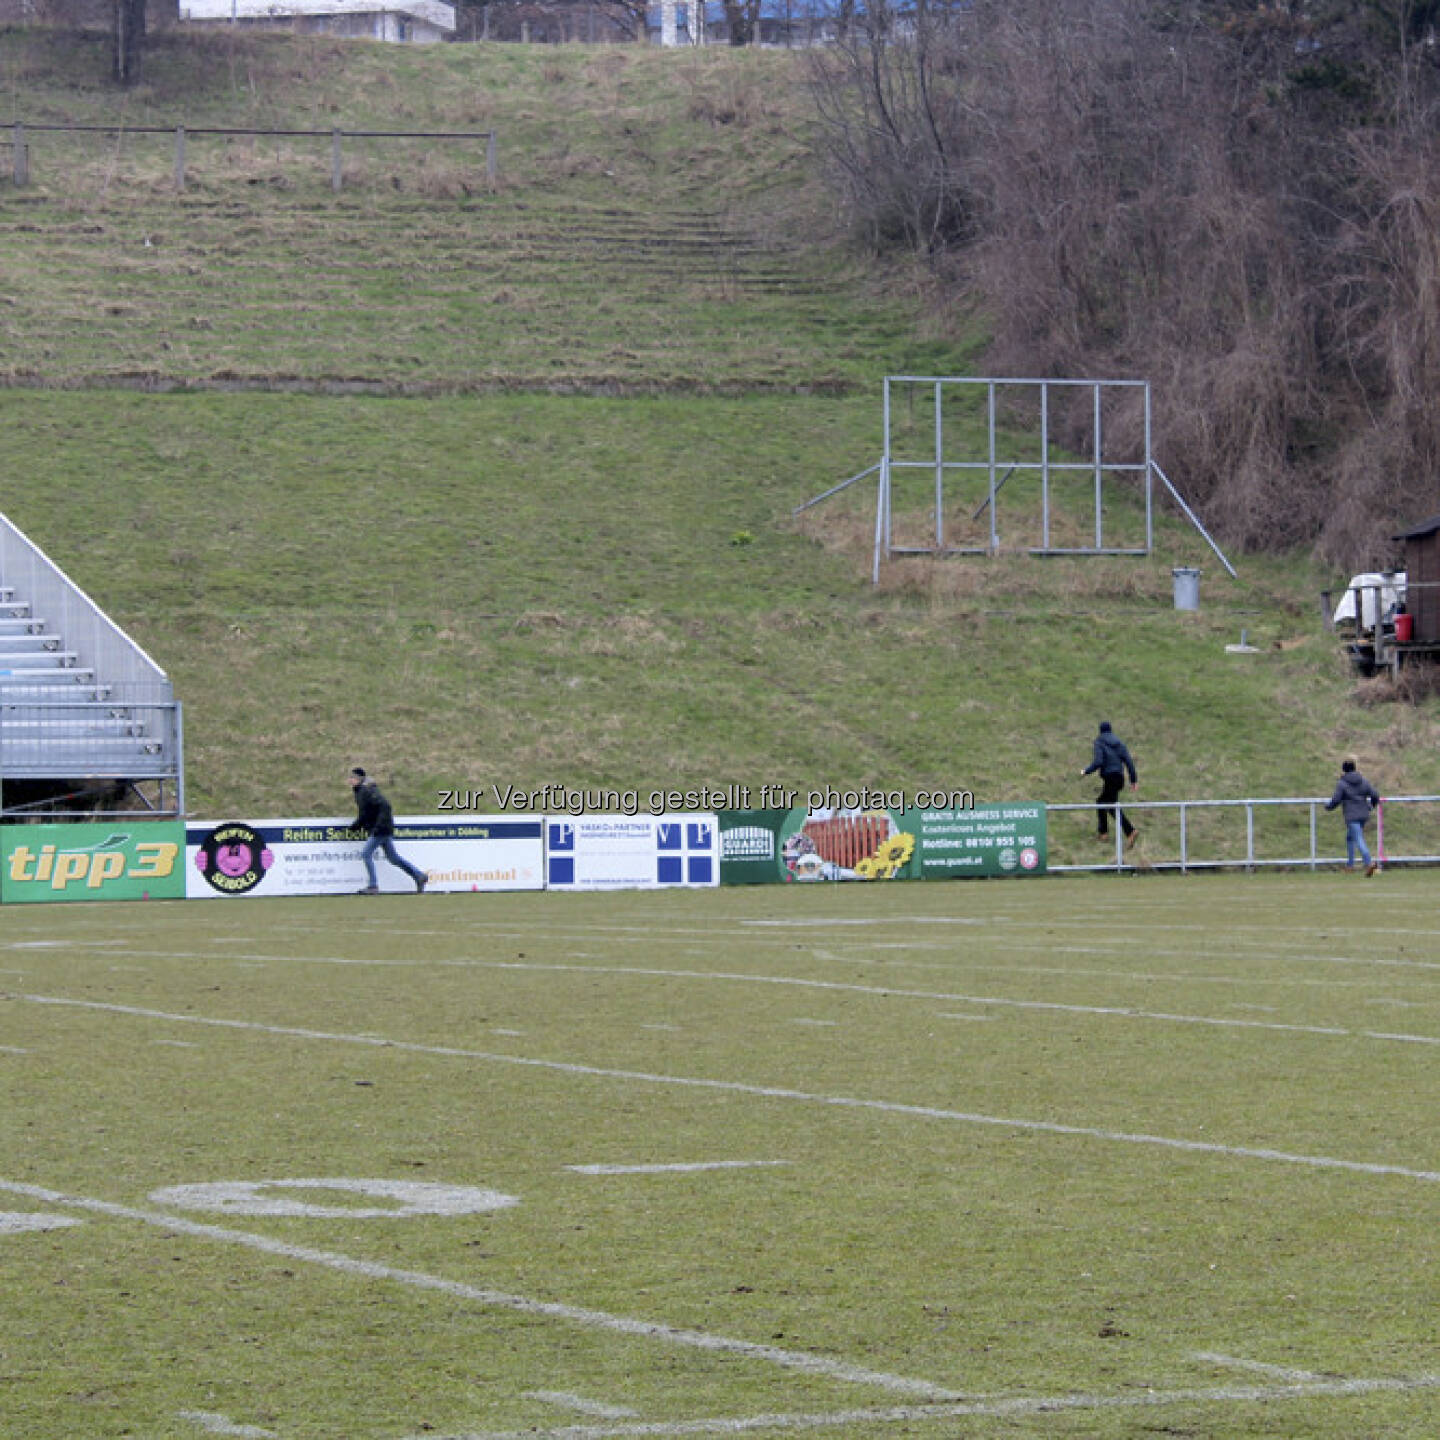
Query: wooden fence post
point(179, 157)
point(337, 173)
point(21, 156)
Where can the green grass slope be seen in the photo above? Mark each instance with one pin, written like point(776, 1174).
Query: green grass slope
point(484, 487)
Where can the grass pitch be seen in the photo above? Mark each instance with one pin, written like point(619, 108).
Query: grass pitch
point(1066, 1157)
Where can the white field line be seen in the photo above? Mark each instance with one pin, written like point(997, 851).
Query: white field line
point(675, 1169)
point(763, 1092)
point(494, 1299)
point(214, 1424)
point(580, 1405)
point(948, 997)
point(997, 1408)
point(1256, 950)
point(1277, 1372)
point(898, 992)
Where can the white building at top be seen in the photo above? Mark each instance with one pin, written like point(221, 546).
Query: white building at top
point(401, 21)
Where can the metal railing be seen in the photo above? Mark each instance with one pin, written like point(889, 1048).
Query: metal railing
point(102, 707)
point(98, 643)
point(101, 739)
point(1290, 832)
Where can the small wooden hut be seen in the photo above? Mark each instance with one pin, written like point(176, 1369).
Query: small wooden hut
point(1422, 579)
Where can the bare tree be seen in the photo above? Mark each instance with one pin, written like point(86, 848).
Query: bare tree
point(1238, 201)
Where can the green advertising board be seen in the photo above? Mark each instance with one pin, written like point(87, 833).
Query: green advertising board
point(796, 846)
point(122, 860)
point(985, 840)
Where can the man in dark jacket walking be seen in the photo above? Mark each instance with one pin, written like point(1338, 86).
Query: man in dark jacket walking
point(1112, 759)
point(1356, 797)
point(375, 817)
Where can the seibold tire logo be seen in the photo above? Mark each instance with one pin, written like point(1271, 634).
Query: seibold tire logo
point(233, 858)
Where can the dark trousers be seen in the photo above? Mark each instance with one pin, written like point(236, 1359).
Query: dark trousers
point(1110, 788)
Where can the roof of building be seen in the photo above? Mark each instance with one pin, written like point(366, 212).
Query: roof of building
point(1420, 531)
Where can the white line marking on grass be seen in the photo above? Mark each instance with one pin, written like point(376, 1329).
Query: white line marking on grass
point(1278, 1372)
point(214, 1424)
point(764, 1092)
point(673, 1169)
point(580, 1405)
point(411, 1197)
point(497, 1299)
point(13, 1050)
point(999, 1407)
point(897, 992)
point(803, 1020)
point(21, 1222)
point(179, 1044)
point(829, 921)
point(947, 1015)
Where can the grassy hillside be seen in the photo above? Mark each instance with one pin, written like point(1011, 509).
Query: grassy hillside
point(483, 487)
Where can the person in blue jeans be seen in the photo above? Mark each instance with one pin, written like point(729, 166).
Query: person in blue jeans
point(1355, 797)
point(375, 817)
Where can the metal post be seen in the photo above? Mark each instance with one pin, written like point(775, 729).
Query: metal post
point(20, 159)
point(1184, 845)
point(882, 502)
point(1149, 480)
point(337, 170)
point(884, 536)
point(1313, 852)
point(939, 472)
point(179, 157)
point(179, 738)
point(990, 423)
point(1249, 837)
point(1099, 527)
point(1045, 464)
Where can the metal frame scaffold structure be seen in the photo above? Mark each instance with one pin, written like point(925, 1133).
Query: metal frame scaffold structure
point(1119, 460)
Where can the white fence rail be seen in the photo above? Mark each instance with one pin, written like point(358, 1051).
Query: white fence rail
point(1251, 834)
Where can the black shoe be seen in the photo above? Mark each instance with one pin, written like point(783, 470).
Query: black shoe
point(420, 883)
point(368, 890)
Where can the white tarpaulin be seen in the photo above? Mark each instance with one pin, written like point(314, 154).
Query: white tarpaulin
point(1383, 590)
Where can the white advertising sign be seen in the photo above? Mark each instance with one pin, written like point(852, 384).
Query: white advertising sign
point(246, 858)
point(642, 852)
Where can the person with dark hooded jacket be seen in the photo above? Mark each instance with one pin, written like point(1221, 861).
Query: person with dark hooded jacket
point(374, 816)
point(1355, 797)
point(1113, 760)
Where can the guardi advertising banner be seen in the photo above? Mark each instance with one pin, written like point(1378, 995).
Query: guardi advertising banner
point(124, 860)
point(877, 842)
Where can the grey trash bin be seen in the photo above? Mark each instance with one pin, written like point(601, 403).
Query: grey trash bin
point(1187, 588)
